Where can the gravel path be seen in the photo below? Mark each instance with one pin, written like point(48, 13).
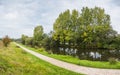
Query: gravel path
point(73, 67)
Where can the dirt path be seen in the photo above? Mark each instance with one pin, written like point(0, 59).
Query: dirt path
point(72, 67)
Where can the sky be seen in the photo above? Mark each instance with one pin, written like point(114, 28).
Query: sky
point(19, 17)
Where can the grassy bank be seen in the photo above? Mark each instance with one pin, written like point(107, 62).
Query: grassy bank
point(70, 59)
point(15, 61)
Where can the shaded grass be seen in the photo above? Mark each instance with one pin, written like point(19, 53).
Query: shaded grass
point(14, 61)
point(70, 59)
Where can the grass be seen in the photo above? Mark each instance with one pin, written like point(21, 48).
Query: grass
point(70, 59)
point(15, 61)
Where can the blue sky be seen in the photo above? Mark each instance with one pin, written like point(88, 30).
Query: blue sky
point(21, 16)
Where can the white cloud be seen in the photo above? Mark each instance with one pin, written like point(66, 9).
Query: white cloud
point(11, 16)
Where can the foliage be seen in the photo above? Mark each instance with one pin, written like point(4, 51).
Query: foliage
point(112, 60)
point(90, 28)
point(38, 35)
point(23, 38)
point(29, 41)
point(116, 42)
point(6, 41)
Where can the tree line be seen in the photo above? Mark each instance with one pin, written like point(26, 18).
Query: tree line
point(90, 28)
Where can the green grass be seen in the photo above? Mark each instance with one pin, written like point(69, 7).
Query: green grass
point(15, 61)
point(70, 59)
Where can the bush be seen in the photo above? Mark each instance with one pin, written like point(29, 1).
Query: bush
point(6, 41)
point(112, 60)
point(41, 50)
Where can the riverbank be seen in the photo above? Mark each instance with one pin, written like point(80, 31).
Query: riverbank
point(70, 59)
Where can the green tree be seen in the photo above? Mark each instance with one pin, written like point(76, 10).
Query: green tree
point(115, 43)
point(29, 41)
point(89, 29)
point(61, 29)
point(95, 27)
point(38, 35)
point(23, 38)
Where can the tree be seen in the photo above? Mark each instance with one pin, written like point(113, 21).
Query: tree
point(89, 29)
point(29, 41)
point(23, 38)
point(6, 40)
point(61, 29)
point(38, 35)
point(115, 43)
point(95, 27)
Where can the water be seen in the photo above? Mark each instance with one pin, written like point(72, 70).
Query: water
point(92, 54)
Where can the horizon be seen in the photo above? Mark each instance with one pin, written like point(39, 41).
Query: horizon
point(21, 17)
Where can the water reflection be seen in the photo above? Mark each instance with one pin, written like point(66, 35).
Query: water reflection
point(92, 54)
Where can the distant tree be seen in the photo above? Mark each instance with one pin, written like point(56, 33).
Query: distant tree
point(29, 41)
point(49, 43)
point(38, 35)
point(23, 38)
point(46, 43)
point(6, 40)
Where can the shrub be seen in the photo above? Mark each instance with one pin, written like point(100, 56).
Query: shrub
point(112, 60)
point(6, 41)
point(41, 49)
